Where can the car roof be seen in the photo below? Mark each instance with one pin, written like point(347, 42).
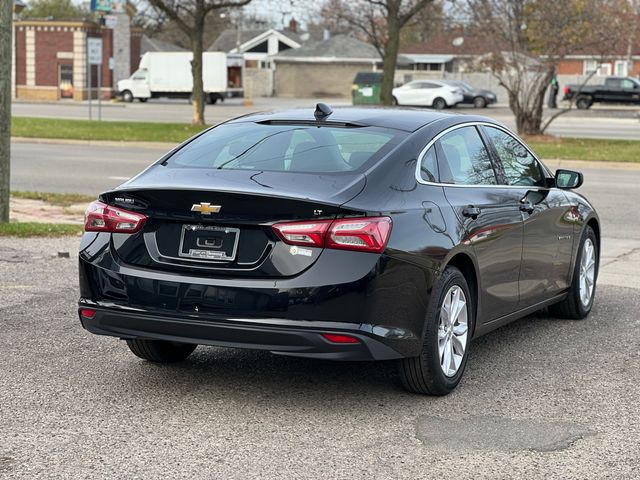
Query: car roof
point(399, 118)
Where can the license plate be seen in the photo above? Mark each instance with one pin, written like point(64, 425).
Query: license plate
point(205, 242)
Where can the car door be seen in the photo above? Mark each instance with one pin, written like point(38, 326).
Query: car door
point(629, 91)
point(140, 84)
point(546, 212)
point(489, 216)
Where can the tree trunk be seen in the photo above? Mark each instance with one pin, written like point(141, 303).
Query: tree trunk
point(390, 60)
point(197, 94)
point(6, 25)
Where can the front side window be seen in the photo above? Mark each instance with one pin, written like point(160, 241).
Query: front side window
point(520, 167)
point(286, 147)
point(465, 158)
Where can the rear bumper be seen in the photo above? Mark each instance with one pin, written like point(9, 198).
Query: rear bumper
point(283, 337)
point(381, 300)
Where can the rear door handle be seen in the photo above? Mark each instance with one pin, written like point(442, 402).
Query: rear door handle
point(527, 207)
point(471, 212)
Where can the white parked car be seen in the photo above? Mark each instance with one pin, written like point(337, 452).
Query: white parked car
point(428, 93)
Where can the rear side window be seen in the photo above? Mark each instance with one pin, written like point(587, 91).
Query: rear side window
point(520, 167)
point(428, 166)
point(464, 159)
point(286, 147)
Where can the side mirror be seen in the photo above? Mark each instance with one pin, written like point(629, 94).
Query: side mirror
point(568, 179)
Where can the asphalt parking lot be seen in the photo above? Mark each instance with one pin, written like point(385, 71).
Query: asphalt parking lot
point(541, 398)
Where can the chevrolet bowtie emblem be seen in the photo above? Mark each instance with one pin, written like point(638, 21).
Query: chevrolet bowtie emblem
point(205, 208)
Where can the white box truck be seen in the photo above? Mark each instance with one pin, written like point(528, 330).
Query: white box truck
point(168, 74)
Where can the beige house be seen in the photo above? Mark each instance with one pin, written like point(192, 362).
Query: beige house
point(322, 68)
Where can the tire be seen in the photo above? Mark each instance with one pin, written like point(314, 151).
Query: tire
point(212, 99)
point(127, 96)
point(583, 102)
point(424, 373)
point(160, 351)
point(143, 100)
point(439, 103)
point(479, 102)
point(573, 307)
point(394, 101)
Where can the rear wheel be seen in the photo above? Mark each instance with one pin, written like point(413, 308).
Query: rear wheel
point(394, 101)
point(439, 367)
point(583, 102)
point(479, 102)
point(579, 300)
point(439, 103)
point(160, 351)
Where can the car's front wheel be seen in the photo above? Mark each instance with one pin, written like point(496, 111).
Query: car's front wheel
point(579, 300)
point(439, 367)
point(127, 96)
point(160, 351)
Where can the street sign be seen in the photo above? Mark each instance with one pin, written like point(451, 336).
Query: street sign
point(110, 21)
point(94, 51)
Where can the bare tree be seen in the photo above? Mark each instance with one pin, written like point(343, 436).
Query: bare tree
point(530, 37)
point(190, 17)
point(380, 22)
point(6, 26)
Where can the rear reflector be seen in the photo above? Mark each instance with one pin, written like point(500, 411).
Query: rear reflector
point(100, 217)
point(363, 234)
point(87, 312)
point(334, 338)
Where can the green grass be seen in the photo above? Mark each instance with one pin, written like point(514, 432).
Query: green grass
point(115, 131)
point(585, 149)
point(59, 199)
point(32, 229)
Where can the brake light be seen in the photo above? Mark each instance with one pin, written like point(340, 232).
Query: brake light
point(566, 90)
point(364, 234)
point(100, 217)
point(311, 234)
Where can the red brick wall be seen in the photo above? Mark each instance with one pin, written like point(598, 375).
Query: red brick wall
point(570, 67)
point(107, 52)
point(21, 60)
point(135, 46)
point(48, 44)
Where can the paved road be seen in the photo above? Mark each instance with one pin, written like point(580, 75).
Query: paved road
point(595, 123)
point(541, 399)
point(46, 167)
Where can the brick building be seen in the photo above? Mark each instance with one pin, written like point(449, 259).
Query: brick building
point(51, 59)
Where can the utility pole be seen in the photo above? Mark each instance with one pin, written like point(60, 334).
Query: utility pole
point(6, 26)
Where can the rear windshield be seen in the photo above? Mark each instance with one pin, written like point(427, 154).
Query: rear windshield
point(290, 148)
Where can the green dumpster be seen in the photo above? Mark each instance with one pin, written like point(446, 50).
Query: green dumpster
point(366, 88)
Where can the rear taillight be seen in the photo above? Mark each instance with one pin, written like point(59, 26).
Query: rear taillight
point(365, 234)
point(566, 90)
point(311, 234)
point(100, 217)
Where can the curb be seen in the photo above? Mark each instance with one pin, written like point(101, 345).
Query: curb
point(95, 143)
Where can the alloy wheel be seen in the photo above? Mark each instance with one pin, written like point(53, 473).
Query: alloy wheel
point(453, 329)
point(587, 272)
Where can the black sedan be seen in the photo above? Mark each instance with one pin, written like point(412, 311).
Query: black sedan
point(359, 234)
point(478, 97)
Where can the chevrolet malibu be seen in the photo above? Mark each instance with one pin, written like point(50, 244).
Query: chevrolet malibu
point(354, 234)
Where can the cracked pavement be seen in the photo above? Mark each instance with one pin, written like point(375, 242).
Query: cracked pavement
point(541, 398)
